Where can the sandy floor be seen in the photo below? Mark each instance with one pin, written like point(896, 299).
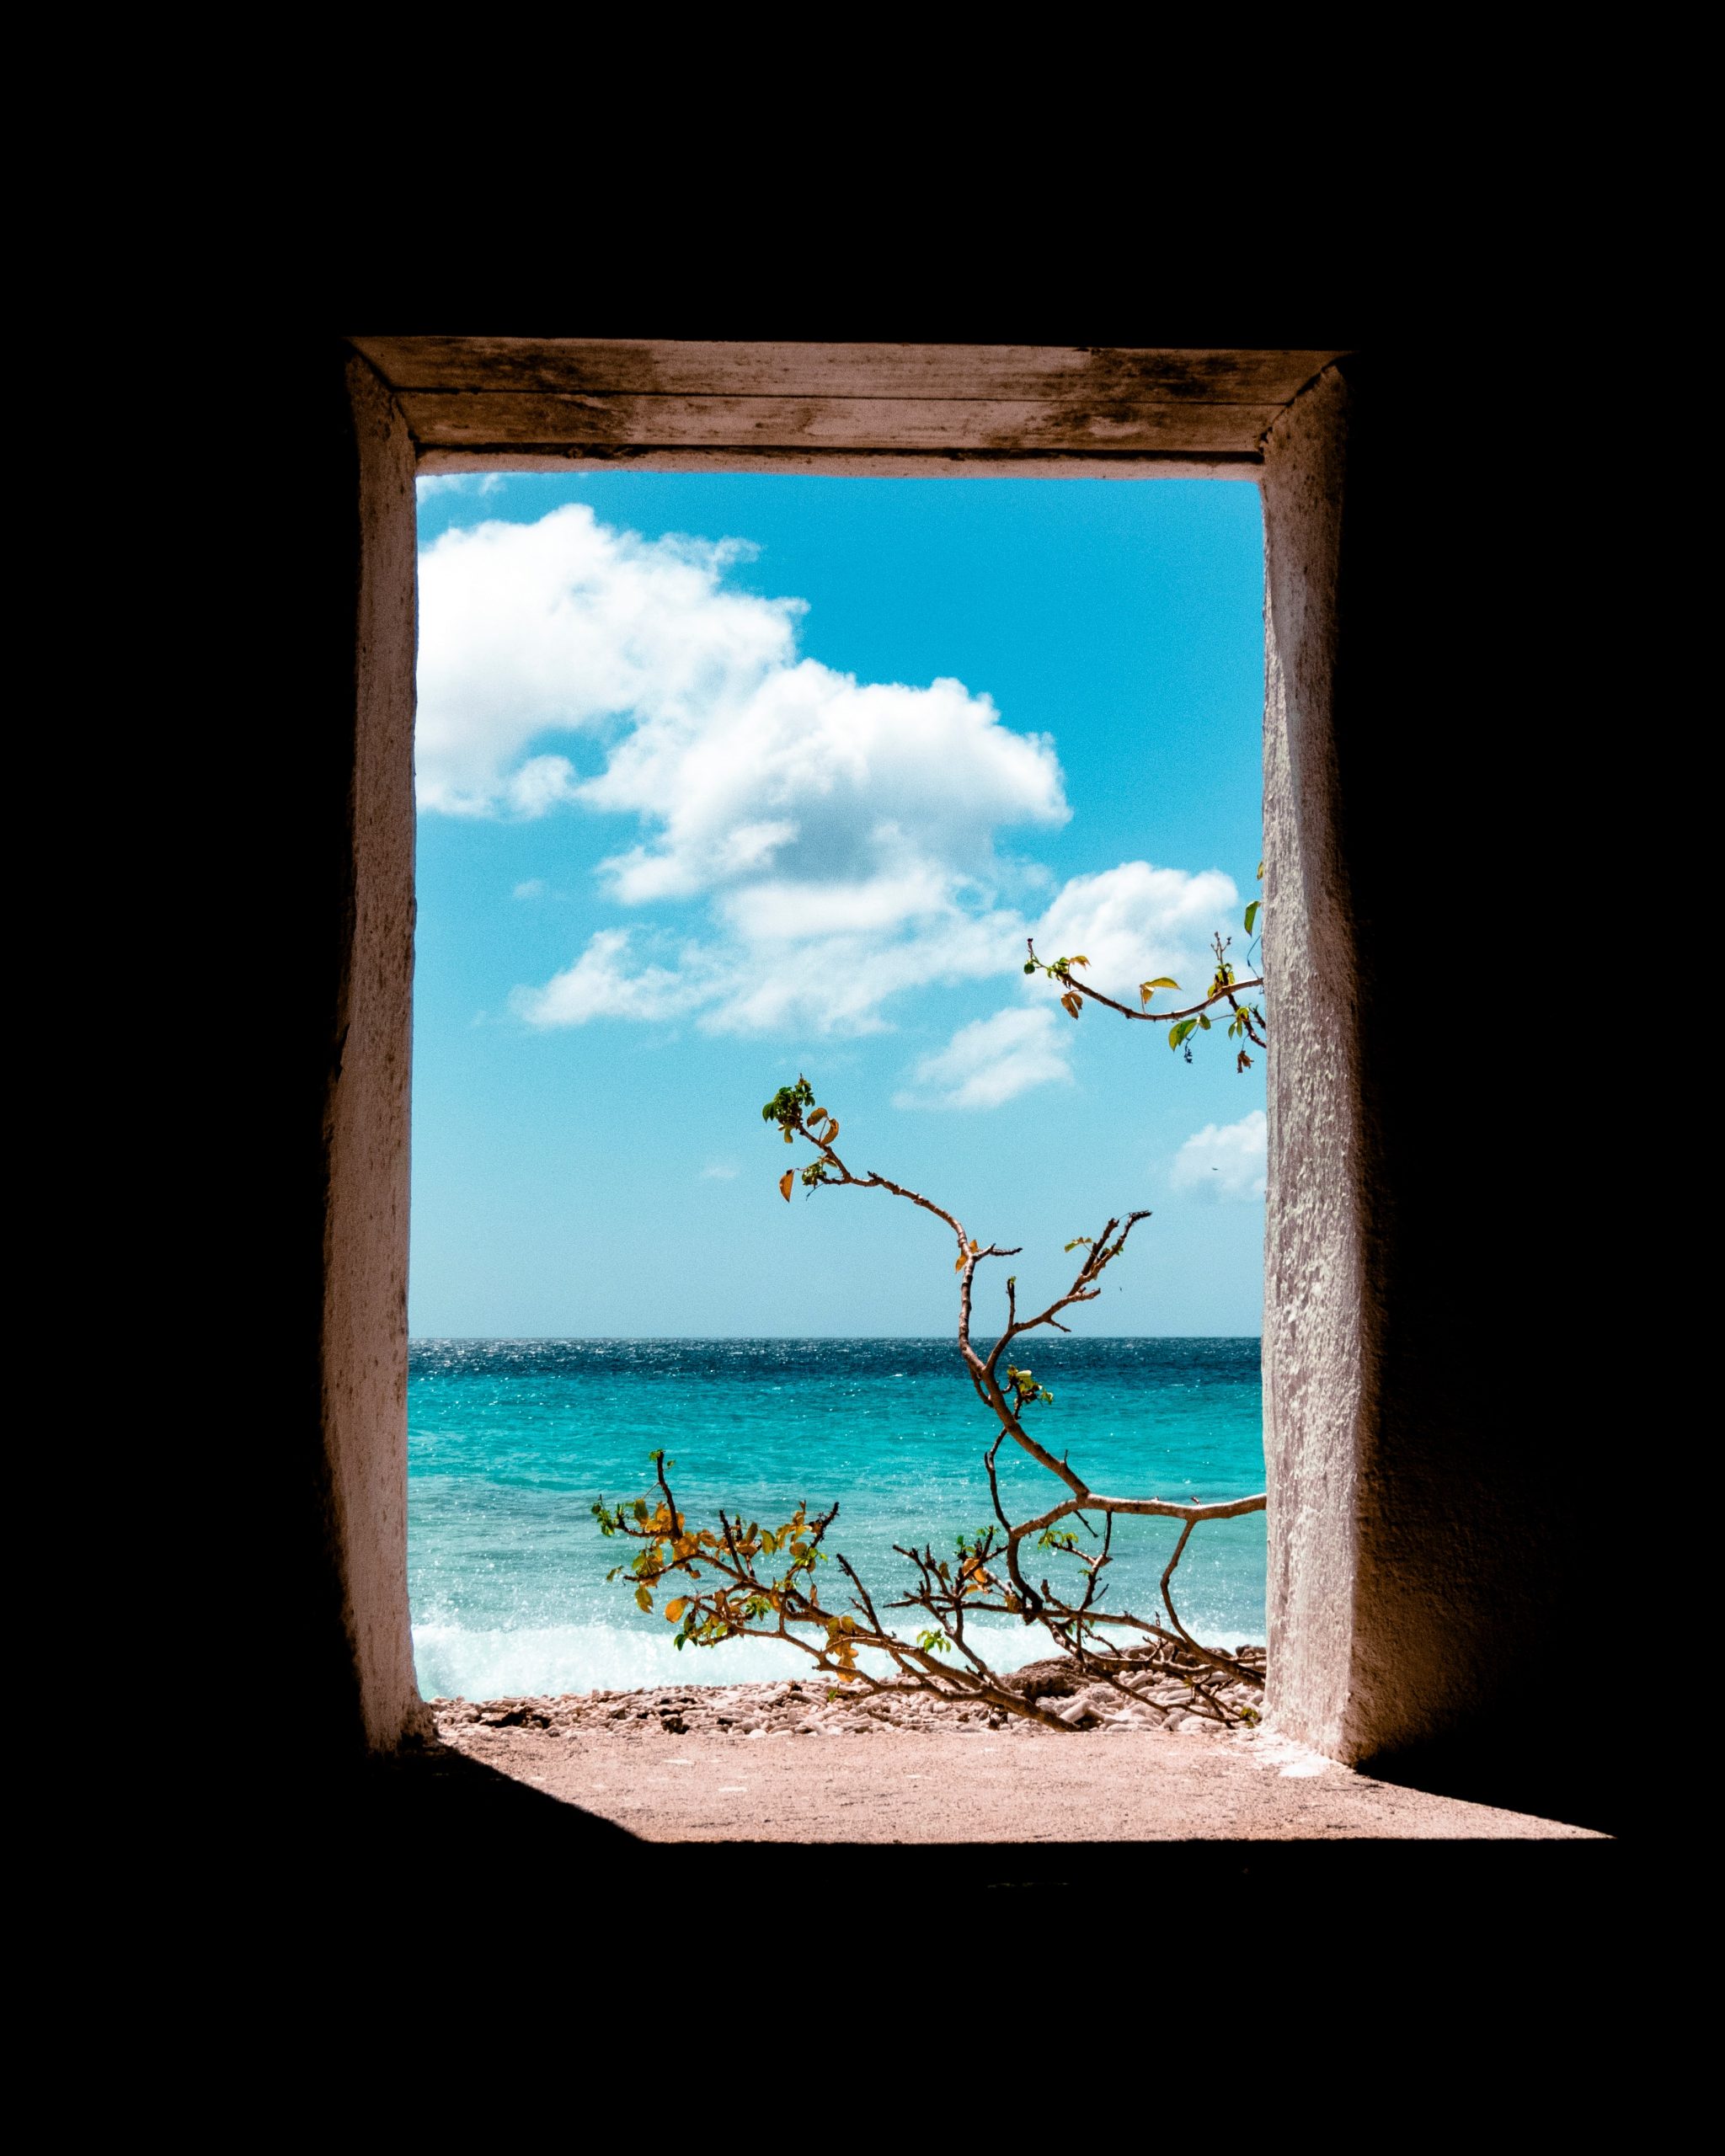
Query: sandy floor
point(788, 1768)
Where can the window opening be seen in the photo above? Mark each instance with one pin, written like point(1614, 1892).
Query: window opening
point(725, 781)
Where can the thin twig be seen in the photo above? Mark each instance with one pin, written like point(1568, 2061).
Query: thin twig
point(1143, 1017)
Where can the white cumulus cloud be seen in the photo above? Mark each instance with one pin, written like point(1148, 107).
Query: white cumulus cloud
point(990, 1062)
point(1229, 1160)
point(841, 835)
point(814, 777)
point(828, 957)
point(560, 626)
point(738, 756)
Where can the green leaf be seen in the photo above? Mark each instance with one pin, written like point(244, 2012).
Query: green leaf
point(1260, 871)
point(787, 1104)
point(1163, 982)
point(1203, 1021)
point(1251, 913)
point(1177, 1034)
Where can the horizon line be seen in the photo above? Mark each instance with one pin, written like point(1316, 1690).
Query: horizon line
point(430, 1339)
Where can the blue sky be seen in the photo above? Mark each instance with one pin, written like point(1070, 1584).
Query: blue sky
point(723, 779)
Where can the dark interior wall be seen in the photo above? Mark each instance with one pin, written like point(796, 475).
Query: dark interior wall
point(1469, 704)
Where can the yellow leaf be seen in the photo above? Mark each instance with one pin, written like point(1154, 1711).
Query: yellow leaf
point(787, 1134)
point(675, 1609)
point(817, 1115)
point(831, 1131)
point(784, 1184)
point(642, 1600)
point(1069, 1004)
point(1078, 962)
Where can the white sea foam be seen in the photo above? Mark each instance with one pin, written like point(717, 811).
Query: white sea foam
point(455, 1663)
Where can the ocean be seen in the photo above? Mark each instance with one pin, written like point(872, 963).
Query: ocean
point(510, 1442)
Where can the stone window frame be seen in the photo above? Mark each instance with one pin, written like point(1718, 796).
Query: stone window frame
point(1273, 417)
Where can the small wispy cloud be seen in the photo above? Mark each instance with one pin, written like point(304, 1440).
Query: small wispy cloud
point(599, 985)
point(1132, 921)
point(457, 483)
point(536, 886)
point(990, 1062)
point(1229, 1162)
point(718, 1171)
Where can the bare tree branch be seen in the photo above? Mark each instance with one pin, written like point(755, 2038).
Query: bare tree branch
point(734, 1594)
point(1060, 971)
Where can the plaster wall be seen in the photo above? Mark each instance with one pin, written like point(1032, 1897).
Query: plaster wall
point(364, 1343)
point(1318, 1333)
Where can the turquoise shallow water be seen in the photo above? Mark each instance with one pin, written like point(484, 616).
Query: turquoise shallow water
point(511, 1441)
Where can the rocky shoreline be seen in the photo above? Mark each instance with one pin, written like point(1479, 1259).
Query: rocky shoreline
point(802, 1707)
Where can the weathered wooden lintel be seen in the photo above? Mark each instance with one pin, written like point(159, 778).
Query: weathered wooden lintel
point(880, 464)
point(526, 404)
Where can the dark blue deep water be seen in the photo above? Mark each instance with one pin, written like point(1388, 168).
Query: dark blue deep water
point(511, 1441)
